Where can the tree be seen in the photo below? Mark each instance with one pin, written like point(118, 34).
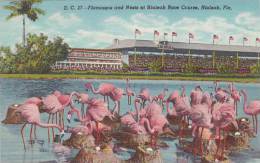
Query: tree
point(24, 8)
point(36, 57)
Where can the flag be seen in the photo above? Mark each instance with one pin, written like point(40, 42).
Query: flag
point(215, 37)
point(137, 31)
point(156, 33)
point(191, 35)
point(174, 34)
point(245, 39)
point(257, 39)
point(231, 38)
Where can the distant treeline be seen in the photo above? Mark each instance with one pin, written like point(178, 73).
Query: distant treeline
point(37, 56)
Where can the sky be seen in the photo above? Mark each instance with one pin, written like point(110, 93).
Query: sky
point(98, 28)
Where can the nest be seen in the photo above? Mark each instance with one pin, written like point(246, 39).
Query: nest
point(79, 141)
point(92, 155)
point(145, 154)
point(12, 116)
point(132, 140)
point(239, 142)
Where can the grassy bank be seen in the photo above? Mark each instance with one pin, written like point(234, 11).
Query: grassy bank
point(194, 77)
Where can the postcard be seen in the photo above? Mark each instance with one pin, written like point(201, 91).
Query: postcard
point(153, 81)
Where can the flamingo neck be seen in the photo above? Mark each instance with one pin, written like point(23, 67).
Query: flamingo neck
point(93, 89)
point(73, 109)
point(45, 125)
point(137, 111)
point(148, 126)
point(245, 100)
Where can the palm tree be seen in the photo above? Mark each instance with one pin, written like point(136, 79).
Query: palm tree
point(24, 8)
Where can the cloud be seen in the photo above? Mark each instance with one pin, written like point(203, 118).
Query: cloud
point(64, 20)
point(203, 29)
point(248, 20)
point(92, 39)
point(75, 32)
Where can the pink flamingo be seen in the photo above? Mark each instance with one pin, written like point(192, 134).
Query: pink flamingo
point(220, 94)
point(155, 126)
point(223, 115)
point(132, 125)
point(83, 99)
point(153, 108)
point(235, 95)
point(34, 100)
point(30, 112)
point(104, 89)
point(144, 95)
point(201, 120)
point(196, 96)
point(182, 108)
point(54, 105)
point(116, 96)
point(96, 111)
point(206, 99)
point(37, 101)
point(161, 96)
point(252, 108)
point(129, 92)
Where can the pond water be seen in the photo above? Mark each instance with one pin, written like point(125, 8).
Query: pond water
point(16, 91)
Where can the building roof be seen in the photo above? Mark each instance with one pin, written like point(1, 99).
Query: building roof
point(184, 48)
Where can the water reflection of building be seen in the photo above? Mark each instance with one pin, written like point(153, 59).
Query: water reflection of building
point(91, 59)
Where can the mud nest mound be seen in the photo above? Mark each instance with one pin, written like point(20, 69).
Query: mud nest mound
point(92, 155)
point(12, 116)
point(79, 141)
point(131, 140)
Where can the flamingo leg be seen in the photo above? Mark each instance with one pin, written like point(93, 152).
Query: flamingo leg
point(104, 98)
point(49, 128)
point(253, 122)
point(223, 145)
point(107, 102)
point(219, 143)
point(82, 110)
point(201, 142)
point(52, 121)
point(56, 117)
point(236, 108)
point(118, 107)
point(256, 123)
point(31, 133)
point(194, 141)
point(35, 132)
point(62, 118)
point(59, 117)
point(22, 135)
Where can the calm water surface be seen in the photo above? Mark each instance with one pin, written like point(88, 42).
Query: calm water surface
point(16, 91)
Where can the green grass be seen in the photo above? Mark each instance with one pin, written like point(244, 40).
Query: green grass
point(139, 76)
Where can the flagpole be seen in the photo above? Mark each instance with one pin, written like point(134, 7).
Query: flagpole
point(189, 59)
point(258, 59)
point(213, 59)
point(237, 60)
point(135, 50)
